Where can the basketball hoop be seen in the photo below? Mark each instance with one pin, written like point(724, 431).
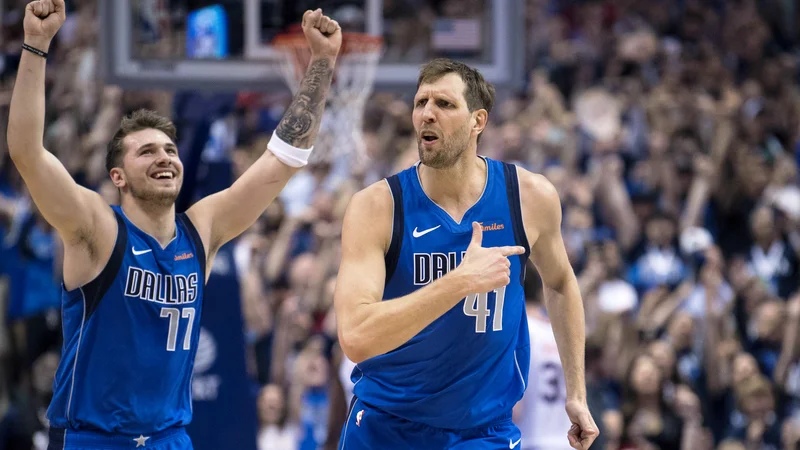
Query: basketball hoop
point(340, 134)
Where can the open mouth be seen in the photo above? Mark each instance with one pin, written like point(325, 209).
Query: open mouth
point(429, 137)
point(163, 175)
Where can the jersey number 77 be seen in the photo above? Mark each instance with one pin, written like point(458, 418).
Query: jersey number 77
point(175, 315)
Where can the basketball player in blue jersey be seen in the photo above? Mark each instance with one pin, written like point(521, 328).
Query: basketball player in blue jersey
point(134, 274)
point(429, 298)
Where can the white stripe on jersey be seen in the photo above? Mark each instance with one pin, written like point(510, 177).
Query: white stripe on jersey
point(543, 419)
point(345, 370)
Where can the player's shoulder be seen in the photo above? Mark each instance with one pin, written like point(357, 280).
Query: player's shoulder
point(539, 198)
point(536, 186)
point(371, 211)
point(373, 199)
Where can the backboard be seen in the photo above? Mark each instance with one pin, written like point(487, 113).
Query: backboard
point(225, 45)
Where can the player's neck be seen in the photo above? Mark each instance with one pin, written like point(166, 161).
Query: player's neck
point(158, 222)
point(455, 188)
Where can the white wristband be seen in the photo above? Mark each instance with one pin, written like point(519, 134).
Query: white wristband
point(288, 154)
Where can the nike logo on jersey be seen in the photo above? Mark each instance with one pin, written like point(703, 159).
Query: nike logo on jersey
point(417, 234)
point(512, 444)
point(140, 252)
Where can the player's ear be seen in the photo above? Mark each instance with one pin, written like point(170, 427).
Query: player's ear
point(117, 177)
point(480, 118)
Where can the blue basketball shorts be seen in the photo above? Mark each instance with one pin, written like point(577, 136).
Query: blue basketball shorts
point(368, 428)
point(171, 439)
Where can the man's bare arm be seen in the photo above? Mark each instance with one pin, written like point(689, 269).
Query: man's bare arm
point(541, 210)
point(63, 203)
point(366, 325)
point(369, 327)
point(226, 214)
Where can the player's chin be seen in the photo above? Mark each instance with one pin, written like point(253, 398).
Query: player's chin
point(170, 191)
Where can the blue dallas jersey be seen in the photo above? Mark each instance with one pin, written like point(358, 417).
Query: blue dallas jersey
point(470, 366)
point(130, 336)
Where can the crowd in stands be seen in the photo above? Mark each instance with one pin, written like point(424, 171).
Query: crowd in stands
point(671, 130)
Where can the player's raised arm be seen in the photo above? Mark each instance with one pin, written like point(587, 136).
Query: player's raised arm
point(223, 216)
point(368, 326)
point(67, 206)
point(541, 211)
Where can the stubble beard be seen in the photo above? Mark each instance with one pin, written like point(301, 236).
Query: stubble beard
point(154, 197)
point(450, 150)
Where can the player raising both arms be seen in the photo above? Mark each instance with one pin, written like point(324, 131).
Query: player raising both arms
point(134, 274)
point(429, 298)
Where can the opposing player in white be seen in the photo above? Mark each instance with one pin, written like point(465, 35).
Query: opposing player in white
point(541, 414)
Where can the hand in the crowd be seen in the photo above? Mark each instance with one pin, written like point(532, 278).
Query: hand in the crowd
point(793, 306)
point(687, 405)
point(755, 431)
point(704, 166)
point(790, 434)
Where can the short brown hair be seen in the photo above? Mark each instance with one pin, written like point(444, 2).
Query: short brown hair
point(141, 119)
point(478, 92)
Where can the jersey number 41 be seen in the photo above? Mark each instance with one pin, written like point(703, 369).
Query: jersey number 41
point(477, 306)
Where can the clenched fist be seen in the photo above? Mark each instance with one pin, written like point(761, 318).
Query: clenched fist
point(43, 18)
point(324, 35)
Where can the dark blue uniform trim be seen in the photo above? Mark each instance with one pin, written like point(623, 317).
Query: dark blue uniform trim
point(56, 439)
point(393, 255)
point(198, 243)
point(515, 208)
point(96, 289)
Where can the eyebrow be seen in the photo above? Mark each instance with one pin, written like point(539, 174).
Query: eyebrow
point(437, 95)
point(152, 144)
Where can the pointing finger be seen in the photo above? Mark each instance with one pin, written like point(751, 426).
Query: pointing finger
point(512, 250)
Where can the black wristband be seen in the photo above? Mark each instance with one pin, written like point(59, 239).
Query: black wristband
point(34, 50)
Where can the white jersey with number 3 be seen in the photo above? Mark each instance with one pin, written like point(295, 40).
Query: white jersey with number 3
point(543, 420)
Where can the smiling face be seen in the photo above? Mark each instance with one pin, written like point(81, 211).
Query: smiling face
point(151, 170)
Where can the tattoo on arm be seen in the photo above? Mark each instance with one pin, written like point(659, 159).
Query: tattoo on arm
point(300, 123)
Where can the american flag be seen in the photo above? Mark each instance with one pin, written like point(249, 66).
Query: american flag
point(457, 34)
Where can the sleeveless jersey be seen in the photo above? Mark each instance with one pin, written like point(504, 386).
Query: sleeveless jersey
point(470, 366)
point(130, 336)
point(544, 422)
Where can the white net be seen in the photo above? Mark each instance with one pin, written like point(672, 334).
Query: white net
point(341, 129)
